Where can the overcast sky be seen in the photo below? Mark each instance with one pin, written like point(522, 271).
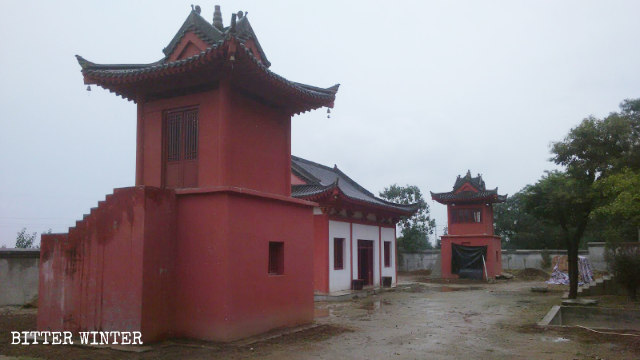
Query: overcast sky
point(428, 90)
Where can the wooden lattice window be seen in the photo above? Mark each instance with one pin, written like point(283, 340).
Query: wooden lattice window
point(466, 216)
point(181, 148)
point(191, 135)
point(338, 253)
point(276, 258)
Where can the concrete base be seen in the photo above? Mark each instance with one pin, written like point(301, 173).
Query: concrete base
point(592, 318)
point(540, 289)
point(579, 302)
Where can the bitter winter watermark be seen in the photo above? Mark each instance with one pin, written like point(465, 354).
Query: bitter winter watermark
point(85, 338)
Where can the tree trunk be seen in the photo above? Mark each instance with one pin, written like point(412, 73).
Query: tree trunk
point(572, 255)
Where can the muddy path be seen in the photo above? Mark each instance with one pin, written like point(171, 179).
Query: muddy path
point(470, 321)
point(422, 321)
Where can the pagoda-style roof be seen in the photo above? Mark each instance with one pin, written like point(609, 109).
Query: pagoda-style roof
point(328, 186)
point(201, 55)
point(469, 189)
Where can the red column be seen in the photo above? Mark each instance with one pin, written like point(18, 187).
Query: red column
point(351, 249)
point(395, 253)
point(380, 255)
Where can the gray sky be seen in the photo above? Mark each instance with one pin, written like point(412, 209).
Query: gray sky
point(428, 90)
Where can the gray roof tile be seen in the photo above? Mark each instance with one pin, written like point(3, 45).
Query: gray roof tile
point(321, 178)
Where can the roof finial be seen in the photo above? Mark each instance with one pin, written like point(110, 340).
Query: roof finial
point(240, 14)
point(198, 10)
point(217, 18)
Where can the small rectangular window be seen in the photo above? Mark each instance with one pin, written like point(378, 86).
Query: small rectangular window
point(338, 253)
point(459, 216)
point(476, 215)
point(387, 254)
point(276, 258)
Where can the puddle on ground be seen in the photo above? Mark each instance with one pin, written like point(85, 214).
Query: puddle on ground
point(371, 306)
point(374, 305)
point(450, 288)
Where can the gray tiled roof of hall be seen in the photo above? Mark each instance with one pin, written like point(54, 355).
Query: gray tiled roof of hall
point(321, 178)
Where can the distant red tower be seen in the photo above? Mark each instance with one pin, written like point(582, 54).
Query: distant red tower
point(470, 244)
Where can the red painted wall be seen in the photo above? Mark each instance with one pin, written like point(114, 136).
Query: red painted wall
point(242, 142)
point(472, 234)
point(321, 253)
point(257, 146)
point(485, 227)
point(189, 45)
point(150, 168)
point(225, 291)
point(296, 180)
point(92, 278)
point(158, 264)
point(493, 260)
point(190, 262)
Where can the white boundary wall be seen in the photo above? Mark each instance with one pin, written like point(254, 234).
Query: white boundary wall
point(18, 276)
point(511, 259)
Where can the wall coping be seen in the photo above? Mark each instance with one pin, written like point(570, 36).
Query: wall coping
point(436, 251)
point(19, 253)
point(245, 192)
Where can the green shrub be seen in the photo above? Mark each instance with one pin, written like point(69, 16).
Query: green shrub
point(624, 261)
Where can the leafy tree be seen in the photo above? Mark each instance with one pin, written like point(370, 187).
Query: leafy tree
point(623, 206)
point(25, 240)
point(562, 199)
point(590, 153)
point(624, 260)
point(520, 229)
point(416, 229)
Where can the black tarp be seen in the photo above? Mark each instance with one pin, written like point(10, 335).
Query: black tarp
point(466, 261)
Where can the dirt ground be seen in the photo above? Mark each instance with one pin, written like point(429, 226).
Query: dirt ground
point(434, 320)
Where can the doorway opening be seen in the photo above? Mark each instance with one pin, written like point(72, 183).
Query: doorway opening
point(365, 261)
point(468, 261)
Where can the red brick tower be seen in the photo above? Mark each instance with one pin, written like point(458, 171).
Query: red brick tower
point(209, 244)
point(470, 244)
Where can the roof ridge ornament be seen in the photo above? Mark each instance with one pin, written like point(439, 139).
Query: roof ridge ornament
point(217, 18)
point(233, 22)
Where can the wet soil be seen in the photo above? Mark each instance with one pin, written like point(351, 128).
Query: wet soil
point(415, 321)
